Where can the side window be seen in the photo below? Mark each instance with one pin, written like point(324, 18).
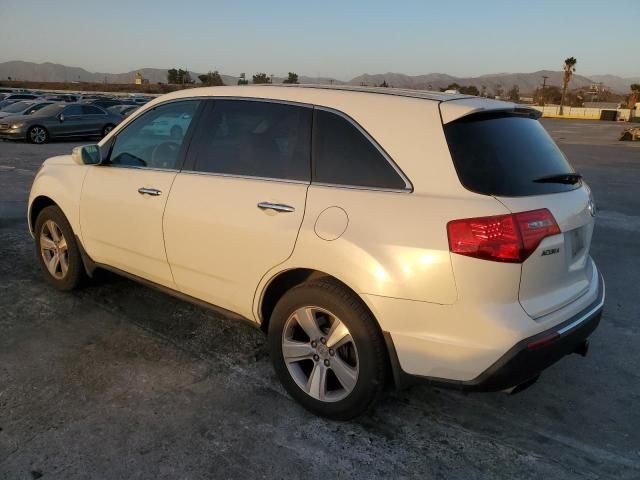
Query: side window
point(343, 155)
point(91, 110)
point(258, 139)
point(72, 110)
point(155, 139)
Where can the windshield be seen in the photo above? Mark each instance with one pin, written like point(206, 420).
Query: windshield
point(50, 110)
point(506, 154)
point(16, 107)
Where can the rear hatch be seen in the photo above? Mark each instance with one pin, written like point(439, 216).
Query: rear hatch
point(509, 155)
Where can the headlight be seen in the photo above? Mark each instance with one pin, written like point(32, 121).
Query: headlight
point(17, 125)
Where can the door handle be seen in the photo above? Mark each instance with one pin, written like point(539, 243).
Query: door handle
point(149, 191)
point(279, 207)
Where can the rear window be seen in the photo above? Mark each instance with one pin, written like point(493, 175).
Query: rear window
point(503, 154)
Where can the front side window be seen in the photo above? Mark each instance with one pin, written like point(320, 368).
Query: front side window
point(91, 110)
point(155, 139)
point(343, 155)
point(73, 110)
point(257, 139)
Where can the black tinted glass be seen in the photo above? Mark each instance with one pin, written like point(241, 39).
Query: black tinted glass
point(343, 155)
point(502, 154)
point(73, 110)
point(91, 110)
point(258, 139)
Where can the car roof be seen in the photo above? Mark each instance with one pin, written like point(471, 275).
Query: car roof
point(452, 105)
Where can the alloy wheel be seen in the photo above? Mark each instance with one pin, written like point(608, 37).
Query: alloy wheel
point(38, 135)
point(54, 250)
point(320, 354)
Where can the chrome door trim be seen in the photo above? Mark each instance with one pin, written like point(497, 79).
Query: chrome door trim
point(246, 177)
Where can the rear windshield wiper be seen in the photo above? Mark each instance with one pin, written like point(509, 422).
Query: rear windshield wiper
point(566, 178)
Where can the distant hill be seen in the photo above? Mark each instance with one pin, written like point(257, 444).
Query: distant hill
point(527, 82)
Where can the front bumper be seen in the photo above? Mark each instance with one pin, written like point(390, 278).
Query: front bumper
point(13, 133)
point(527, 358)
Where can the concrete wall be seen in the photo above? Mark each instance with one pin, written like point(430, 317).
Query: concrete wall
point(578, 112)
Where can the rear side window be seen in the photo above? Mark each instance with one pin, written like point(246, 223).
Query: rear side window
point(344, 155)
point(503, 154)
point(257, 139)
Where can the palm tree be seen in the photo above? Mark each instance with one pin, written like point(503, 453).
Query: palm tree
point(569, 68)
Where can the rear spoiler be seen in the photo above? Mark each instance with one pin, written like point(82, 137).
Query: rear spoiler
point(452, 110)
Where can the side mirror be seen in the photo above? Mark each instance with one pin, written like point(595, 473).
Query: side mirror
point(86, 155)
point(61, 117)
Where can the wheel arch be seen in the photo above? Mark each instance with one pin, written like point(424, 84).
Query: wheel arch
point(283, 281)
point(36, 206)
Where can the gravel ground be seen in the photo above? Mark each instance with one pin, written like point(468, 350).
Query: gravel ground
point(120, 381)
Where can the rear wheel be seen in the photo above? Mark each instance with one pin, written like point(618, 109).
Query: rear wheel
point(57, 250)
point(327, 350)
point(38, 135)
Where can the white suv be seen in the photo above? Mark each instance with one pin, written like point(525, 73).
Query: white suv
point(374, 234)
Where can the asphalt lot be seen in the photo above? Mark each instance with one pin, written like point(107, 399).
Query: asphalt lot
point(120, 381)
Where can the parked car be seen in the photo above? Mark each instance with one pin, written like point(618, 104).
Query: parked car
point(21, 96)
point(23, 107)
point(59, 120)
point(68, 98)
point(424, 234)
point(123, 110)
point(106, 103)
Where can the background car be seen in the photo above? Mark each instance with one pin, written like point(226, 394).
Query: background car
point(108, 102)
point(59, 120)
point(69, 98)
point(24, 107)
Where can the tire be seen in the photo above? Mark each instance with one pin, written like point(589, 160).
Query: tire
point(38, 135)
point(52, 223)
point(106, 129)
point(363, 351)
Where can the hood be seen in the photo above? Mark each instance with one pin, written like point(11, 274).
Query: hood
point(17, 118)
point(60, 160)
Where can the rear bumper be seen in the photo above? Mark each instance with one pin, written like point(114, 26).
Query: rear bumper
point(527, 358)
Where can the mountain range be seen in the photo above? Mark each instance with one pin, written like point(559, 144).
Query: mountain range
point(527, 82)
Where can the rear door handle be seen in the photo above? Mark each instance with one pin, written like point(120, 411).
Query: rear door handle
point(149, 191)
point(279, 207)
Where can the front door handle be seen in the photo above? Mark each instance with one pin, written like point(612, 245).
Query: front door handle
point(279, 207)
point(149, 191)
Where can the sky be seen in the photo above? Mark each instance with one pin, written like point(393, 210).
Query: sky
point(339, 39)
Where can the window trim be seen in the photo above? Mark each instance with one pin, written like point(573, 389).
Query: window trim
point(408, 188)
point(186, 144)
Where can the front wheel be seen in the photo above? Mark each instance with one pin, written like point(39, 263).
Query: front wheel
point(57, 250)
point(327, 350)
point(38, 135)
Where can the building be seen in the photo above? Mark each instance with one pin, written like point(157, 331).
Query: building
point(140, 80)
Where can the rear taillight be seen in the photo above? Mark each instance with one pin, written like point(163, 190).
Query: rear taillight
point(502, 238)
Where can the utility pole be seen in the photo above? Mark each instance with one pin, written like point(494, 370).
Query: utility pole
point(544, 85)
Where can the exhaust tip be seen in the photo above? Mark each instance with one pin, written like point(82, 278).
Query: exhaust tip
point(582, 349)
point(521, 387)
